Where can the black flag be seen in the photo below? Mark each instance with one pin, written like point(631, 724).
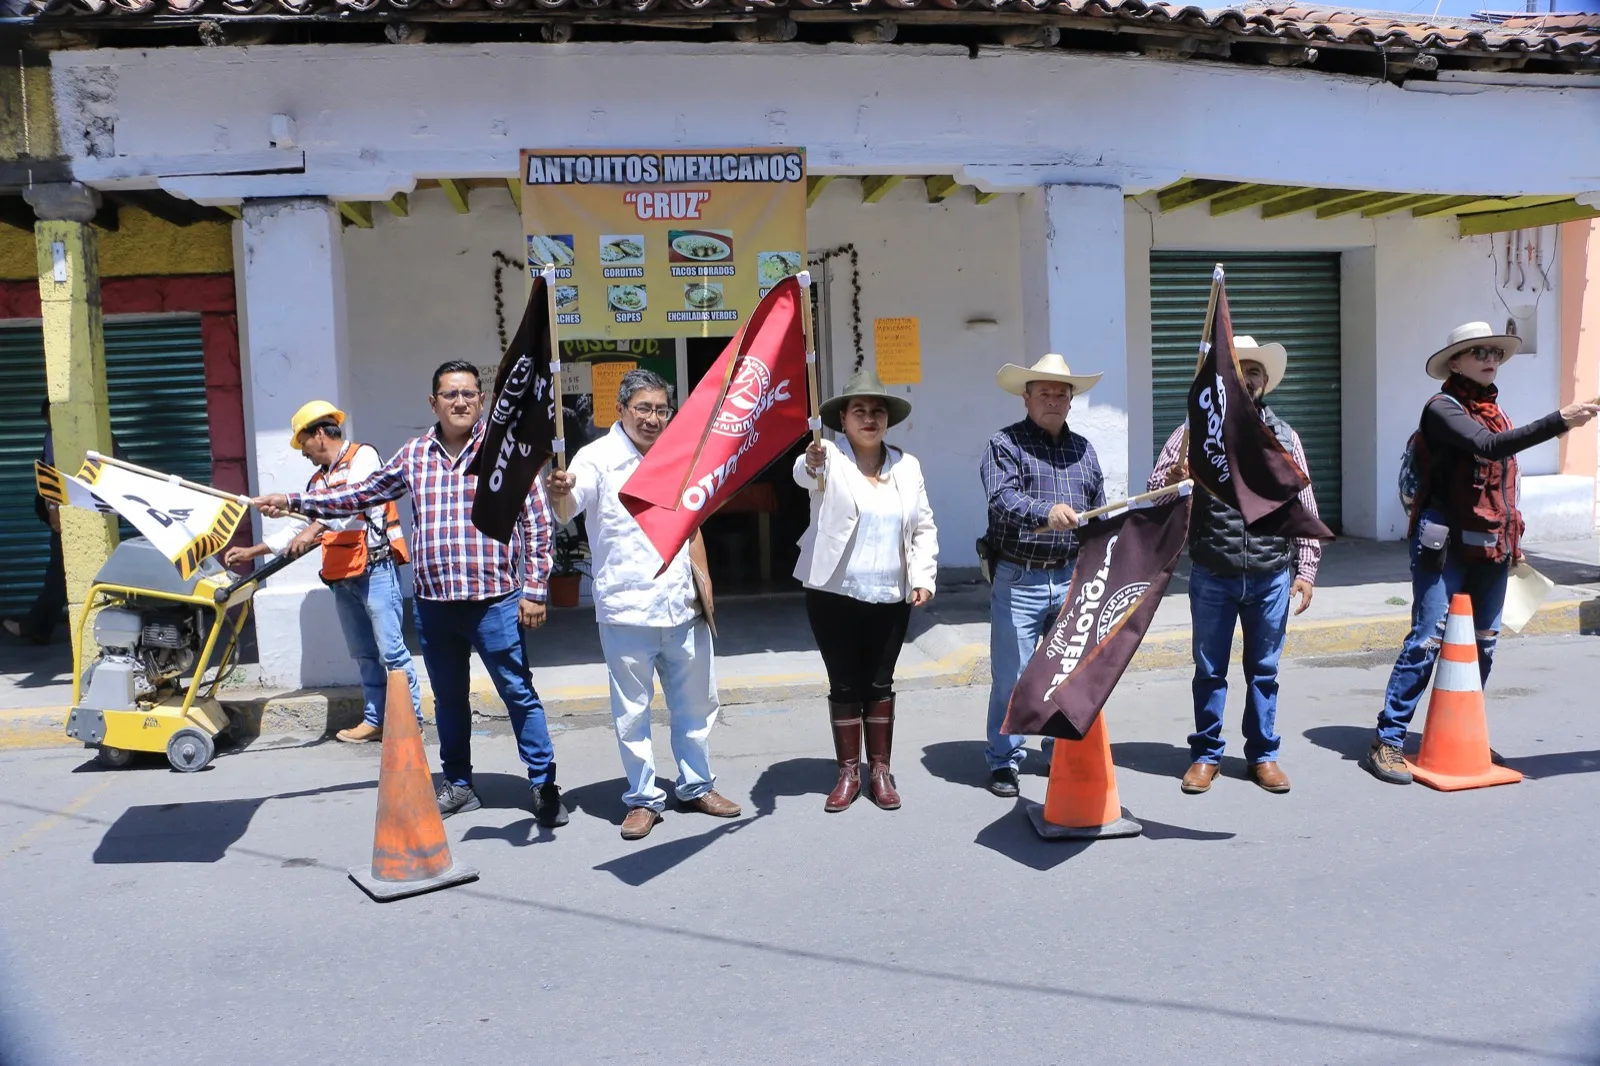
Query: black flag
point(1233, 454)
point(519, 438)
point(1124, 564)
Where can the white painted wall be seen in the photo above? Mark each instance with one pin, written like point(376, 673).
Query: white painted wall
point(1406, 284)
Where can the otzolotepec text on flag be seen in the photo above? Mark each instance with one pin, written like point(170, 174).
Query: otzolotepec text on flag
point(186, 523)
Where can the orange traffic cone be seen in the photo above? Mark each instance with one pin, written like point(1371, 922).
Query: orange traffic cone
point(1455, 739)
point(1081, 801)
point(410, 854)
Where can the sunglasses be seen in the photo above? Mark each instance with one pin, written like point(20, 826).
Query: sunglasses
point(1485, 354)
point(464, 394)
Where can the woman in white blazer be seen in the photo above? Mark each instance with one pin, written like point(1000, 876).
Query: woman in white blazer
point(869, 555)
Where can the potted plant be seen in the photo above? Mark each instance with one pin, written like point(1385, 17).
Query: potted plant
point(569, 557)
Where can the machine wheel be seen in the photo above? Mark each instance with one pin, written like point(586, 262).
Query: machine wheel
point(190, 750)
point(115, 758)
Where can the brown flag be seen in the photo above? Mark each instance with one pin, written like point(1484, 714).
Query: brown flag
point(1232, 453)
point(1124, 565)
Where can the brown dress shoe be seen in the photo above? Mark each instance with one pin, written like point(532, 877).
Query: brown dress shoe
point(639, 822)
point(713, 804)
point(1269, 777)
point(1199, 777)
point(364, 733)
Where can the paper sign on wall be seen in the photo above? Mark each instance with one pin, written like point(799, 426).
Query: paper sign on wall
point(607, 378)
point(897, 344)
point(678, 243)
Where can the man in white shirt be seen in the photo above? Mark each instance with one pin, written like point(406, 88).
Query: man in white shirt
point(647, 624)
point(361, 559)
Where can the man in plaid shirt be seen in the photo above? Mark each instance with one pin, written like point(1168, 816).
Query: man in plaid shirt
point(1038, 477)
point(1244, 576)
point(472, 593)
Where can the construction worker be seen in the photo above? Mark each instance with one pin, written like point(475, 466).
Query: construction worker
point(361, 559)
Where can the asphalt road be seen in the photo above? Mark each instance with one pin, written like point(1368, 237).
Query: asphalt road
point(152, 917)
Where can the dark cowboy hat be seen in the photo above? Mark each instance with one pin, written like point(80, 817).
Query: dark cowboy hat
point(864, 383)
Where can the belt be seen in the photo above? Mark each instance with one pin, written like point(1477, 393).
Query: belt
point(1045, 564)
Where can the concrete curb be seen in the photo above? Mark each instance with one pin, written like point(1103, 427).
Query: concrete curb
point(324, 711)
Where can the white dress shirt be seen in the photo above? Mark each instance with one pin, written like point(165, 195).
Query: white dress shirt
point(626, 589)
point(363, 464)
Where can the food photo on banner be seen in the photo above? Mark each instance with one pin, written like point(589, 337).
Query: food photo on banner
point(1124, 565)
point(748, 411)
point(669, 243)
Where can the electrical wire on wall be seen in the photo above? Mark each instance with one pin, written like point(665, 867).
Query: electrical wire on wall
point(1515, 268)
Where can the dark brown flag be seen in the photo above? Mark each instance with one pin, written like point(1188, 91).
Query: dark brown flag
point(1233, 454)
point(1124, 564)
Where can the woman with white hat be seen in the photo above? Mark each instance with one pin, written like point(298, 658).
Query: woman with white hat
point(1465, 528)
point(869, 555)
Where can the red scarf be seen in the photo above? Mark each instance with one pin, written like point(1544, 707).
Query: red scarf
point(1479, 401)
point(1481, 492)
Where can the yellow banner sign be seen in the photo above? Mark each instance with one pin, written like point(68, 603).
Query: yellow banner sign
point(672, 243)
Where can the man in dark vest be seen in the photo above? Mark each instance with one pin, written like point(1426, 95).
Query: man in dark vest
point(1243, 576)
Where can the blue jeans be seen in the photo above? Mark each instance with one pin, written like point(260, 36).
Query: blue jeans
point(1022, 607)
point(1431, 591)
point(682, 656)
point(372, 615)
point(1260, 603)
point(450, 631)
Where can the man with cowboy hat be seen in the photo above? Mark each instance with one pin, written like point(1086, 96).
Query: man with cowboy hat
point(1243, 576)
point(361, 559)
point(1037, 475)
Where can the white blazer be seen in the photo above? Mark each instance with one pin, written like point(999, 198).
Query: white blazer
point(834, 513)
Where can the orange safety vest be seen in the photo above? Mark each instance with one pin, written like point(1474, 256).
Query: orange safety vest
point(344, 553)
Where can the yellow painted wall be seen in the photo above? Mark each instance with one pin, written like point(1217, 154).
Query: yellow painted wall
point(143, 245)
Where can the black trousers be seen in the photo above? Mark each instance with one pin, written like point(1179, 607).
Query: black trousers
point(860, 644)
point(41, 620)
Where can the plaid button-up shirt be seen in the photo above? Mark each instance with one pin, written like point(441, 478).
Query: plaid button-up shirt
point(1025, 473)
point(450, 559)
point(1308, 553)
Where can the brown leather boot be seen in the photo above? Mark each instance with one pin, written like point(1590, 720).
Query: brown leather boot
point(846, 721)
point(880, 741)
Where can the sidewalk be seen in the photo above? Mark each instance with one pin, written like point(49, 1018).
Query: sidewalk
point(765, 652)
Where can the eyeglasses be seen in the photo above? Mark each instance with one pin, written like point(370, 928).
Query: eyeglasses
point(645, 410)
point(464, 394)
point(1484, 354)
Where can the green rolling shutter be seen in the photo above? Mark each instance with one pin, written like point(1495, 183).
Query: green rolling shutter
point(1291, 298)
point(155, 381)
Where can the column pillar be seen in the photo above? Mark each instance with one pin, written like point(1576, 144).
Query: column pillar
point(1074, 301)
point(293, 348)
point(75, 368)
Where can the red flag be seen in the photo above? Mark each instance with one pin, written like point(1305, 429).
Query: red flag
point(747, 411)
point(1232, 453)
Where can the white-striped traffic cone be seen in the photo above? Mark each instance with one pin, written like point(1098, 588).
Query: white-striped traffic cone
point(1455, 739)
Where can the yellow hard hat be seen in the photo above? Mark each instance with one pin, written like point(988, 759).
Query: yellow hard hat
point(310, 414)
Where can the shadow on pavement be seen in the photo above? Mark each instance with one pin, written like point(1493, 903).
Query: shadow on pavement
point(959, 762)
point(1152, 757)
point(202, 831)
point(1555, 764)
point(1162, 831)
point(1351, 741)
point(600, 799)
point(1012, 836)
point(519, 834)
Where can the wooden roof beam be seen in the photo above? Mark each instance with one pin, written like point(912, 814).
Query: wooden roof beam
point(455, 190)
point(814, 186)
point(875, 188)
point(939, 187)
point(1304, 201)
point(514, 187)
point(1349, 206)
point(359, 213)
point(1443, 206)
point(1396, 203)
point(1525, 217)
point(1242, 196)
point(980, 197)
point(399, 205)
point(1192, 191)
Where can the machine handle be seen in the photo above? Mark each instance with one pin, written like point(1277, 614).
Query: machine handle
point(261, 573)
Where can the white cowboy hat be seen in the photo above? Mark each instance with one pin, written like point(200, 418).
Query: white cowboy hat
point(1052, 367)
point(1274, 358)
point(1469, 335)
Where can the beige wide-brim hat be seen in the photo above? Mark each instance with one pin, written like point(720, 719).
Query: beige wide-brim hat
point(1053, 367)
point(863, 383)
point(1469, 335)
point(1274, 358)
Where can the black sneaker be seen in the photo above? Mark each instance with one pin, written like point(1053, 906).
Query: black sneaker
point(1003, 782)
point(456, 799)
point(548, 810)
point(1387, 764)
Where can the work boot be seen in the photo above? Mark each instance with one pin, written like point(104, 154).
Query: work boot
point(880, 741)
point(365, 733)
point(1199, 777)
point(846, 721)
point(1386, 763)
point(548, 810)
point(1270, 776)
point(456, 799)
